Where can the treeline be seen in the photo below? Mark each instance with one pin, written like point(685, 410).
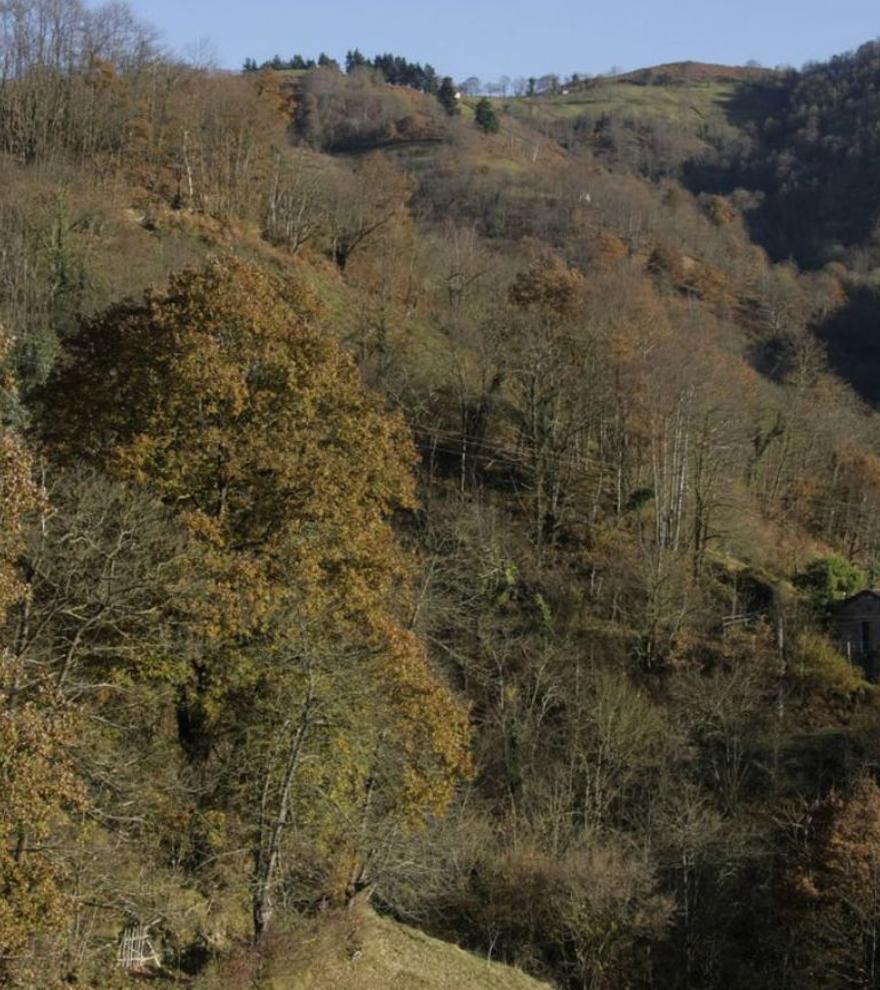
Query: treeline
point(296, 62)
point(392, 69)
point(451, 524)
point(396, 70)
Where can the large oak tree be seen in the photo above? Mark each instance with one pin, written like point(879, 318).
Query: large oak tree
point(310, 712)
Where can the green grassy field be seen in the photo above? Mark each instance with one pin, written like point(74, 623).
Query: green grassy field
point(686, 104)
point(658, 102)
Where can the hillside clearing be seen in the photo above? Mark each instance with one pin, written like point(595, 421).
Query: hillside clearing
point(362, 951)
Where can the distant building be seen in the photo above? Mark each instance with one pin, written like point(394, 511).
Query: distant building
point(856, 622)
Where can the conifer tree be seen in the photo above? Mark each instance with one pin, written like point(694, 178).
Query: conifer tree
point(485, 117)
point(354, 59)
point(448, 96)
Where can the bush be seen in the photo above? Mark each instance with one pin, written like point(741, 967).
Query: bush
point(823, 670)
point(486, 118)
point(830, 579)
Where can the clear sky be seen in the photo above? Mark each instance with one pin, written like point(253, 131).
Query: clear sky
point(488, 38)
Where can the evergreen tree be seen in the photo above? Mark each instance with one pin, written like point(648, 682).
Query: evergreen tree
point(448, 97)
point(429, 79)
point(354, 60)
point(486, 118)
point(386, 65)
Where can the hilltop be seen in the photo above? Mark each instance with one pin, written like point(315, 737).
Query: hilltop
point(678, 73)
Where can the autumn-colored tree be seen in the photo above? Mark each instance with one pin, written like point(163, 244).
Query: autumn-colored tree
point(551, 353)
point(38, 784)
point(547, 285)
point(37, 780)
point(223, 397)
point(363, 202)
point(834, 890)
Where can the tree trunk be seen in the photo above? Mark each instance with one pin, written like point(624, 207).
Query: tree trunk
point(268, 839)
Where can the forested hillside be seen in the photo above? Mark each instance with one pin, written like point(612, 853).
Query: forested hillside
point(434, 503)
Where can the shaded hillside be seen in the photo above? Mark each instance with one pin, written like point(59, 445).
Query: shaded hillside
point(813, 162)
point(852, 336)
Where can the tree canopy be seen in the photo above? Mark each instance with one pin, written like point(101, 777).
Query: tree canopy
point(222, 397)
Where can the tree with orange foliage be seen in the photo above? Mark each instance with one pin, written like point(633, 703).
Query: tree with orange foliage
point(36, 780)
point(363, 202)
point(310, 710)
point(835, 890)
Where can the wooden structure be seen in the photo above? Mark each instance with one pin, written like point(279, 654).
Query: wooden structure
point(856, 624)
point(136, 953)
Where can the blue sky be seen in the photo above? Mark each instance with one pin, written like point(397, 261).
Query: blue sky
point(488, 38)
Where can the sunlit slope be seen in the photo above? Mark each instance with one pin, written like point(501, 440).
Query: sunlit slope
point(688, 94)
point(361, 951)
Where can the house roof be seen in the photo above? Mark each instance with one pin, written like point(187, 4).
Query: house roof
point(864, 593)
